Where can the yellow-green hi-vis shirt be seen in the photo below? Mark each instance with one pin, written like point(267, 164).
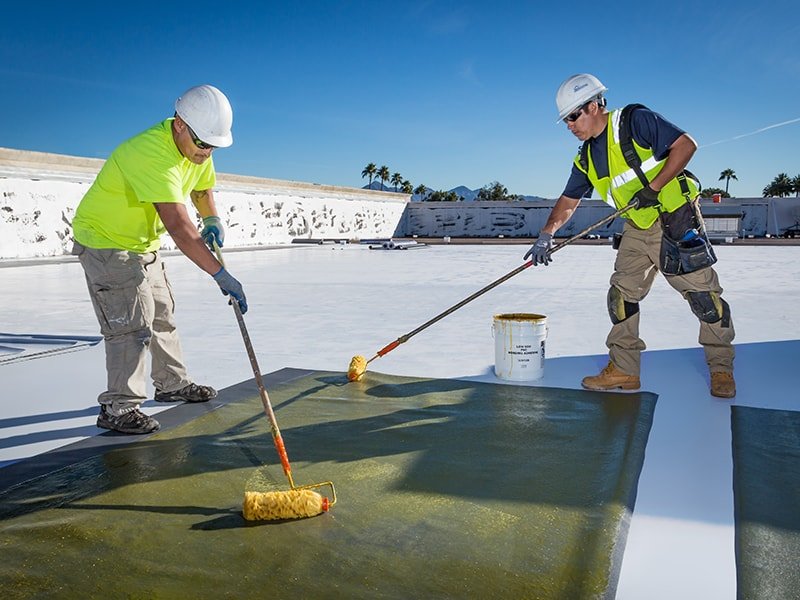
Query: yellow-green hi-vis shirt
point(118, 212)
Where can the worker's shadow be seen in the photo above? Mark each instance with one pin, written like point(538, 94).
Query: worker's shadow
point(230, 518)
point(445, 437)
point(479, 440)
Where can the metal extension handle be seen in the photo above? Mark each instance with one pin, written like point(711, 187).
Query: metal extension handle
point(262, 390)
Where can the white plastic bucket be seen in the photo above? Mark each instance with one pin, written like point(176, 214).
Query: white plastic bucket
point(519, 341)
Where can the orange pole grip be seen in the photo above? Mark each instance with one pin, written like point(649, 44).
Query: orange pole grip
point(287, 468)
point(389, 348)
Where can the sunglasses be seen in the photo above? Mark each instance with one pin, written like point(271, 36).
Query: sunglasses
point(198, 142)
point(572, 117)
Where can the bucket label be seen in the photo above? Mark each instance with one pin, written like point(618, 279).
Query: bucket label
point(527, 349)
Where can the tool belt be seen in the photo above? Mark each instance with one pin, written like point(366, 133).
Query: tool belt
point(685, 246)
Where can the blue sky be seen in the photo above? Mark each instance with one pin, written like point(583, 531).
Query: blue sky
point(446, 93)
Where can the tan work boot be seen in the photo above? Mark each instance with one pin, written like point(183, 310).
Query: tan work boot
point(723, 385)
point(611, 378)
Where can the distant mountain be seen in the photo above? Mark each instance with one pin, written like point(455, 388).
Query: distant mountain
point(377, 185)
point(461, 190)
point(467, 194)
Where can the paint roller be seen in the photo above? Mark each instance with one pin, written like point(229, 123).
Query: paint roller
point(358, 364)
point(300, 501)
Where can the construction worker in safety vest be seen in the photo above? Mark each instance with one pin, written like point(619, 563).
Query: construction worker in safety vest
point(634, 156)
point(138, 195)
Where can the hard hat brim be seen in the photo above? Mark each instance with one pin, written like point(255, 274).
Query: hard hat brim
point(571, 110)
point(218, 141)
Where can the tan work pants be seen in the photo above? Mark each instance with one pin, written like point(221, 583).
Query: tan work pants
point(634, 271)
point(134, 306)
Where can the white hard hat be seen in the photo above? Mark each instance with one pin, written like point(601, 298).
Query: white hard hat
point(207, 111)
point(576, 91)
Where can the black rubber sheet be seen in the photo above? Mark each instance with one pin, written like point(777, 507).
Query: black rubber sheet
point(447, 489)
point(766, 486)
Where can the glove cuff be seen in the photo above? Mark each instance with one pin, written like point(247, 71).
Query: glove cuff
point(648, 191)
point(218, 274)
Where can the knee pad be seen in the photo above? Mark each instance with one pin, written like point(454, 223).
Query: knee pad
point(618, 308)
point(709, 307)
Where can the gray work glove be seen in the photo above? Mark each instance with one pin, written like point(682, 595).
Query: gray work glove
point(229, 285)
point(646, 197)
point(539, 251)
point(213, 231)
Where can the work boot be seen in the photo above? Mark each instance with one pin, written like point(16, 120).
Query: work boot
point(723, 384)
point(188, 393)
point(611, 378)
point(132, 421)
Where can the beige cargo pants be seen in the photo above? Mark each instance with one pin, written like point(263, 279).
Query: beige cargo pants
point(634, 271)
point(134, 306)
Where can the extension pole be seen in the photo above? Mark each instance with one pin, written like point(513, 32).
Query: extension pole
point(404, 338)
point(261, 499)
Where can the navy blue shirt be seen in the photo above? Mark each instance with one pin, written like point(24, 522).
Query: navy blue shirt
point(649, 129)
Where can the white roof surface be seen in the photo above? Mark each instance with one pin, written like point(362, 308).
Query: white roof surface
point(315, 307)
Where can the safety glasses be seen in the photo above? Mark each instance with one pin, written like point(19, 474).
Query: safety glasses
point(198, 142)
point(574, 116)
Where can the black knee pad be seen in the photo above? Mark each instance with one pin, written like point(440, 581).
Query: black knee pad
point(709, 307)
point(618, 308)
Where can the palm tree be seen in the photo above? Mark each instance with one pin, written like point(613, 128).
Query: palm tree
point(369, 171)
point(421, 191)
point(397, 179)
point(406, 187)
point(779, 187)
point(383, 175)
point(796, 185)
point(727, 175)
point(784, 185)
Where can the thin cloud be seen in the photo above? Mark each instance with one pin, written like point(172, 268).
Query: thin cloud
point(744, 135)
point(440, 22)
point(450, 24)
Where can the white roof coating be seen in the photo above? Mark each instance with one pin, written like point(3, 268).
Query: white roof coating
point(315, 307)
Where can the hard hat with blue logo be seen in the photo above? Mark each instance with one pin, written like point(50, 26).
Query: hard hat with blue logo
point(576, 91)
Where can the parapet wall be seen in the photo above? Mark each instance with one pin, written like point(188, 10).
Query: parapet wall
point(756, 217)
point(39, 193)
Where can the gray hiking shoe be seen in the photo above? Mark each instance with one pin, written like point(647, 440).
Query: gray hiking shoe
point(134, 421)
point(189, 393)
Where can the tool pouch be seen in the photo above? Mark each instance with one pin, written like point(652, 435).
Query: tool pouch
point(616, 241)
point(680, 257)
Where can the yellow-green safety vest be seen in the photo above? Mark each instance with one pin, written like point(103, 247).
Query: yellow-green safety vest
point(622, 182)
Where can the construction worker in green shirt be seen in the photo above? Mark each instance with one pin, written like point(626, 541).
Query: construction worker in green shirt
point(138, 195)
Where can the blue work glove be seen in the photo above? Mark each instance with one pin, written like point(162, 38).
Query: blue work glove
point(539, 251)
point(229, 285)
point(213, 231)
point(646, 197)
